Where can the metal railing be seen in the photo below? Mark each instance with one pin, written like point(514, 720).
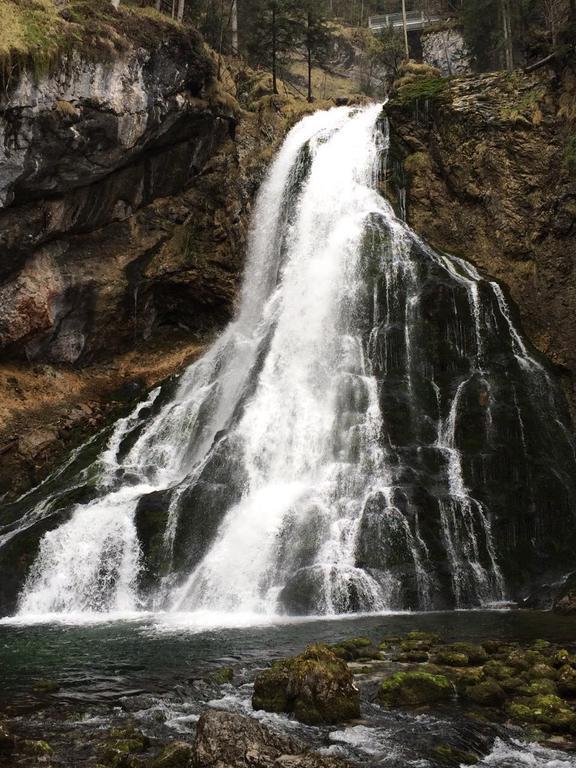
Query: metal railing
point(415, 20)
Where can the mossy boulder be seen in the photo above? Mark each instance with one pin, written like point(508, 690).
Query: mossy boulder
point(548, 711)
point(488, 693)
point(452, 658)
point(498, 670)
point(476, 653)
point(176, 755)
point(418, 641)
point(512, 685)
point(524, 659)
point(317, 687)
point(413, 657)
point(541, 672)
point(356, 648)
point(466, 676)
point(539, 687)
point(413, 689)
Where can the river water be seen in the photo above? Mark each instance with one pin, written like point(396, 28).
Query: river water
point(155, 670)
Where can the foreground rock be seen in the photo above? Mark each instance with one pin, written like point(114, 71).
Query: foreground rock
point(225, 740)
point(317, 687)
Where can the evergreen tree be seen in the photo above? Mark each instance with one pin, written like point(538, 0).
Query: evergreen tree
point(274, 30)
point(316, 36)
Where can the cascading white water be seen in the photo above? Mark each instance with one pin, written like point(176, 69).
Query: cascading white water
point(325, 515)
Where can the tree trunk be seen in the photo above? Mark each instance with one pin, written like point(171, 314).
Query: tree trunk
point(405, 26)
point(309, 55)
point(234, 23)
point(507, 30)
point(181, 7)
point(274, 78)
point(158, 5)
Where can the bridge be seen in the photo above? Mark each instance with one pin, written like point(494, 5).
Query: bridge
point(415, 21)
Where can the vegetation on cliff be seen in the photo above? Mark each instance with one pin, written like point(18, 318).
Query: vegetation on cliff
point(37, 34)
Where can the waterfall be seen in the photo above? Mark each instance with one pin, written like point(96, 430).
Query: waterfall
point(364, 436)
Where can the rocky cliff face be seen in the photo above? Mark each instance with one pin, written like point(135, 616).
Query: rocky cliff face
point(125, 192)
point(485, 164)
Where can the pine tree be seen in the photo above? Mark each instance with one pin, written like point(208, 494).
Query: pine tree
point(316, 37)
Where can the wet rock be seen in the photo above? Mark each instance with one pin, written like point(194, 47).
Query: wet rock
point(412, 689)
point(317, 687)
point(6, 740)
point(121, 745)
point(225, 740)
point(565, 602)
point(180, 754)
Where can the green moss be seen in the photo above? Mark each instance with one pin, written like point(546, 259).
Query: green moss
point(410, 689)
point(541, 671)
point(223, 675)
point(538, 688)
point(422, 89)
point(39, 748)
point(37, 35)
point(452, 659)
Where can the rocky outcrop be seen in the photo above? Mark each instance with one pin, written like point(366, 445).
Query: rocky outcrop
point(128, 173)
point(484, 163)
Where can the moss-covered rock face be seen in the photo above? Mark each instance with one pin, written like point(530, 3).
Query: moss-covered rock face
point(414, 689)
point(317, 687)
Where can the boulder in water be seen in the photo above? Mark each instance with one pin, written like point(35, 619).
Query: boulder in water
point(227, 740)
point(317, 687)
point(413, 689)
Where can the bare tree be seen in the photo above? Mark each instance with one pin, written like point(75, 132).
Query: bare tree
point(557, 13)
